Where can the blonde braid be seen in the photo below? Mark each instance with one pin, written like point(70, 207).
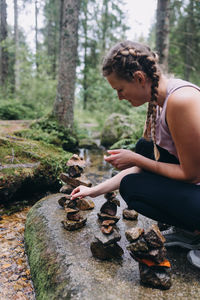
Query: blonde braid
point(152, 110)
point(125, 59)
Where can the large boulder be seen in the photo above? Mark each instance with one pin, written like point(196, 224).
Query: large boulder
point(62, 265)
point(61, 262)
point(116, 127)
point(28, 166)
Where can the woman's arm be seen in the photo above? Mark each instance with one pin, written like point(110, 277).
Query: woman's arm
point(104, 187)
point(183, 118)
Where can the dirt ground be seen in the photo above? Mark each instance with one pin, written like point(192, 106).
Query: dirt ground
point(9, 126)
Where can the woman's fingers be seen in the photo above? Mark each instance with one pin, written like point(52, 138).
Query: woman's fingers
point(110, 158)
point(75, 190)
point(115, 151)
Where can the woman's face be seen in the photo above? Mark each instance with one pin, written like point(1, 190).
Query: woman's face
point(137, 91)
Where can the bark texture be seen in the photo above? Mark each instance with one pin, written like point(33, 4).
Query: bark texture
point(64, 103)
point(162, 32)
point(3, 49)
point(16, 39)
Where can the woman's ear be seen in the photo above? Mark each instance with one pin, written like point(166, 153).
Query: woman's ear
point(139, 77)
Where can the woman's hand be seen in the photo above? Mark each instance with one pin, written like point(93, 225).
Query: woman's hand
point(82, 191)
point(121, 158)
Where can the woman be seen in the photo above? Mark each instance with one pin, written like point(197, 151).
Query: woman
point(159, 180)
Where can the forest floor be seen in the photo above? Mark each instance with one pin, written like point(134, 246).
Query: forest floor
point(10, 126)
point(15, 282)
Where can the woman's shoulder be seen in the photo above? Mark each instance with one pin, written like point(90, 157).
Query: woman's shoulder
point(182, 92)
point(176, 84)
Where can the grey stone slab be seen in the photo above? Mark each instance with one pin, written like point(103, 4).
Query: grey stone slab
point(62, 265)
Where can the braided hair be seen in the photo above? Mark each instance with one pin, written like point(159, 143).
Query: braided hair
point(124, 59)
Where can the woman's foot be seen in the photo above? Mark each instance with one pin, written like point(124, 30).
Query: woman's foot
point(193, 257)
point(183, 238)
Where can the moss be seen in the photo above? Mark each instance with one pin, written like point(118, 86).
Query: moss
point(49, 162)
point(44, 269)
point(49, 131)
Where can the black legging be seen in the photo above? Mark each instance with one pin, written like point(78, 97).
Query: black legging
point(160, 198)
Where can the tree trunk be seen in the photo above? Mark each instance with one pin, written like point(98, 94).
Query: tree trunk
point(189, 41)
point(36, 33)
point(16, 40)
point(61, 22)
point(52, 34)
point(64, 103)
point(85, 71)
point(3, 48)
point(105, 24)
point(162, 32)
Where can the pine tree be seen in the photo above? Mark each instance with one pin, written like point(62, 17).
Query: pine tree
point(64, 103)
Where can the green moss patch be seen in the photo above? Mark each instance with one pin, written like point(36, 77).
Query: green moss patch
point(28, 165)
point(48, 130)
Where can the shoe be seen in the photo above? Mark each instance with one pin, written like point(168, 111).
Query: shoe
point(163, 226)
point(193, 257)
point(183, 238)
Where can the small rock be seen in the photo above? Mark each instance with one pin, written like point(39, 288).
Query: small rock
point(155, 277)
point(110, 195)
point(130, 214)
point(74, 225)
point(154, 237)
point(76, 160)
point(139, 246)
point(103, 252)
point(84, 204)
point(74, 182)
point(62, 201)
point(71, 210)
point(108, 223)
point(115, 201)
point(107, 230)
point(103, 217)
point(73, 214)
point(109, 208)
point(74, 217)
point(156, 255)
point(107, 240)
point(66, 189)
point(75, 171)
point(133, 234)
point(70, 204)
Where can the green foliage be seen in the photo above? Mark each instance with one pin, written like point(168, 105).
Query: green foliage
point(49, 131)
point(138, 116)
point(102, 23)
point(16, 110)
point(184, 49)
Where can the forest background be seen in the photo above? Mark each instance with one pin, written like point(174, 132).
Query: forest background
point(31, 81)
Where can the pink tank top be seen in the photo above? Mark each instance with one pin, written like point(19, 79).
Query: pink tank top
point(163, 135)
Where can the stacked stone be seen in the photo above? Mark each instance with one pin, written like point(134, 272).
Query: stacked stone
point(148, 249)
point(130, 214)
point(74, 176)
point(74, 220)
point(108, 211)
point(105, 245)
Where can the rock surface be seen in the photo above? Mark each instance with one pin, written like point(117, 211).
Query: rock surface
point(62, 265)
point(116, 127)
